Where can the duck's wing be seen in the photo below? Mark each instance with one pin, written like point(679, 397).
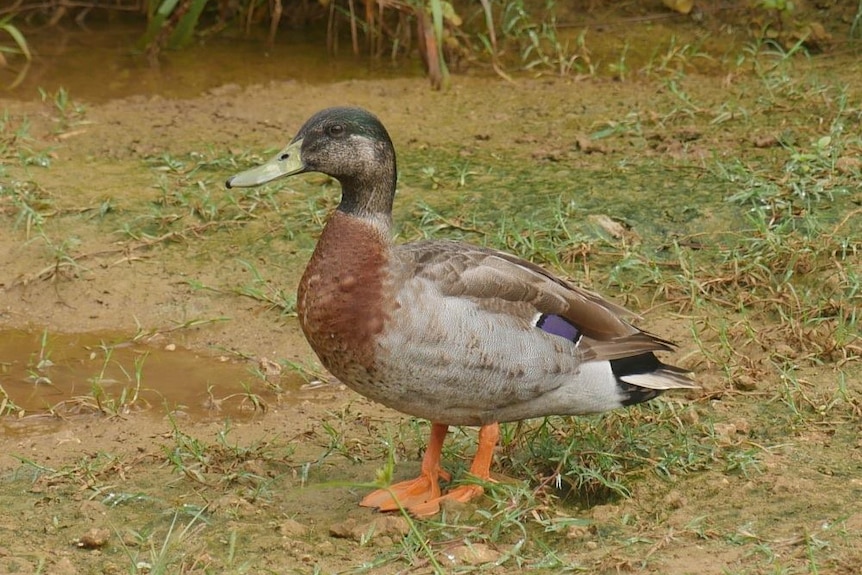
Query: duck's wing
point(502, 283)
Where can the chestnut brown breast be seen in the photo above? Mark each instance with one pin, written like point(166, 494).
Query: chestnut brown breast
point(342, 298)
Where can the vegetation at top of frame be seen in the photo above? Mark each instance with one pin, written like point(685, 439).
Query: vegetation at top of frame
point(19, 45)
point(759, 265)
point(539, 36)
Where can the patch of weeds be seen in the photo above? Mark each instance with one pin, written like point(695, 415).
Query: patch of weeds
point(620, 69)
point(7, 406)
point(142, 334)
point(801, 280)
point(100, 400)
point(129, 398)
point(249, 401)
point(20, 46)
point(29, 203)
point(91, 471)
point(25, 200)
point(592, 460)
point(192, 187)
point(64, 263)
point(546, 235)
point(811, 178)
point(40, 363)
point(772, 64)
point(783, 284)
point(224, 463)
point(674, 59)
point(339, 440)
point(856, 26)
point(263, 290)
point(313, 375)
point(16, 144)
point(181, 549)
point(541, 47)
point(192, 201)
point(566, 461)
point(802, 402)
point(68, 112)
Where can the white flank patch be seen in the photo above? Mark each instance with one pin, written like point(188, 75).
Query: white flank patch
point(651, 381)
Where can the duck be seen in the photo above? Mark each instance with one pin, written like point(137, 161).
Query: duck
point(454, 333)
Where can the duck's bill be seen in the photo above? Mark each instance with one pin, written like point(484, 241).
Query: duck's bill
point(285, 163)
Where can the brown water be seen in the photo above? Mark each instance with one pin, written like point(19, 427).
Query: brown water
point(103, 63)
point(69, 374)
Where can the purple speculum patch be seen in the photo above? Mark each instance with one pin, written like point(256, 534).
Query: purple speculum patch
point(559, 326)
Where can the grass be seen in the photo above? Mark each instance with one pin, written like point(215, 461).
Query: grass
point(758, 271)
point(8, 31)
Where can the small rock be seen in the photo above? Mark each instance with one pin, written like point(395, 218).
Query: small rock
point(131, 538)
point(744, 382)
point(589, 146)
point(268, 367)
point(291, 528)
point(605, 513)
point(617, 229)
point(681, 6)
point(577, 531)
point(847, 165)
point(171, 347)
point(92, 510)
point(296, 547)
point(816, 37)
point(255, 467)
point(94, 539)
point(344, 529)
point(784, 350)
point(725, 432)
point(475, 554)
point(391, 525)
point(766, 141)
point(690, 416)
point(675, 500)
point(742, 426)
point(232, 504)
point(382, 525)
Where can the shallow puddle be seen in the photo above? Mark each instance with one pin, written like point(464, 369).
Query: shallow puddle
point(64, 375)
point(103, 62)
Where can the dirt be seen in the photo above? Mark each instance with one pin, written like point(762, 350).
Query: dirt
point(207, 480)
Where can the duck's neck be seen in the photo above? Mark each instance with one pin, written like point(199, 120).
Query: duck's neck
point(370, 191)
point(374, 204)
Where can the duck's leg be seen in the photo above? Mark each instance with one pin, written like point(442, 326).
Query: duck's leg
point(480, 469)
point(415, 491)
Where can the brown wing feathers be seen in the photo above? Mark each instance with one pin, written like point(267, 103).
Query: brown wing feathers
point(504, 283)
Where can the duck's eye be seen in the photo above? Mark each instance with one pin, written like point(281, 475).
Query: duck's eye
point(335, 130)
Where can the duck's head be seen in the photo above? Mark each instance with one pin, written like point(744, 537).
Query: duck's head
point(348, 144)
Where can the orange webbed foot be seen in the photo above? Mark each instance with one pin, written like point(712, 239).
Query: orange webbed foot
point(421, 497)
point(417, 491)
point(480, 469)
point(408, 493)
point(461, 494)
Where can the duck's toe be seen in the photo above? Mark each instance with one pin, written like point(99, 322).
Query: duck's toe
point(461, 494)
point(407, 493)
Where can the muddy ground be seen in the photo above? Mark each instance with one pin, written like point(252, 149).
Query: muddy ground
point(131, 240)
